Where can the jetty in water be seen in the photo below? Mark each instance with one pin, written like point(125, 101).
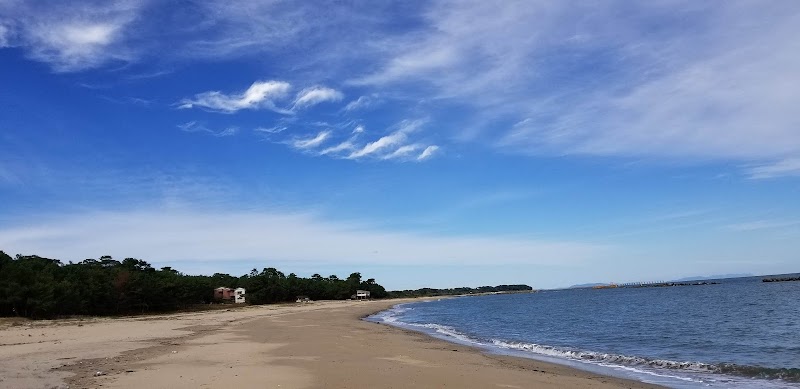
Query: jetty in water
point(663, 284)
point(781, 279)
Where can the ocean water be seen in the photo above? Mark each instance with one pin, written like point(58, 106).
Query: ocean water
point(740, 333)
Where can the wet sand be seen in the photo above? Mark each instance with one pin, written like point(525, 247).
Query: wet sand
point(316, 345)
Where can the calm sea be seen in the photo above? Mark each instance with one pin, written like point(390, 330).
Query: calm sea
point(739, 333)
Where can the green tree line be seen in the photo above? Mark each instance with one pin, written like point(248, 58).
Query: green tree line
point(425, 292)
point(37, 287)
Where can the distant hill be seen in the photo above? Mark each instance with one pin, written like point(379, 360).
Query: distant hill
point(591, 285)
point(715, 277)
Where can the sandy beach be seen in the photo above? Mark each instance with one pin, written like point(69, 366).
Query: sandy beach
point(316, 345)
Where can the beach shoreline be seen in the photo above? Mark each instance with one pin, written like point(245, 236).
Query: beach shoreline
point(316, 345)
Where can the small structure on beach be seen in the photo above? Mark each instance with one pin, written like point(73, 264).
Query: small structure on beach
point(303, 299)
point(229, 295)
point(224, 294)
point(362, 294)
point(239, 296)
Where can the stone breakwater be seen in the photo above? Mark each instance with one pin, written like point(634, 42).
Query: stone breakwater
point(783, 279)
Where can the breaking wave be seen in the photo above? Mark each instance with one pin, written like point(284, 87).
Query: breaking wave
point(391, 316)
point(789, 375)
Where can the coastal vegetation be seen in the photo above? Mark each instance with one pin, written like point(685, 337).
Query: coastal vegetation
point(37, 287)
point(427, 292)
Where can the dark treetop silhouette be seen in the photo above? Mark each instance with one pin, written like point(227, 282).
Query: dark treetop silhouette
point(36, 287)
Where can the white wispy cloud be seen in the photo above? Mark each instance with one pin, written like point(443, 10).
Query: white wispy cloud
point(339, 148)
point(69, 37)
point(403, 151)
point(128, 100)
point(312, 142)
point(5, 36)
point(251, 28)
point(362, 102)
point(271, 130)
point(194, 126)
point(534, 78)
point(230, 235)
point(786, 167)
point(392, 140)
point(428, 152)
point(464, 46)
point(85, 34)
point(348, 142)
point(315, 95)
point(76, 46)
point(711, 84)
point(260, 95)
point(762, 225)
point(228, 131)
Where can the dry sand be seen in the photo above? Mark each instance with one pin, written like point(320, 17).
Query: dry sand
point(317, 345)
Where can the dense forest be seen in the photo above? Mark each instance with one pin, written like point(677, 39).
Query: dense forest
point(424, 292)
point(36, 287)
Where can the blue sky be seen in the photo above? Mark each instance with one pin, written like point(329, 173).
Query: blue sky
point(422, 143)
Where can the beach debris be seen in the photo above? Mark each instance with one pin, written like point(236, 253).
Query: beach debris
point(174, 352)
point(99, 373)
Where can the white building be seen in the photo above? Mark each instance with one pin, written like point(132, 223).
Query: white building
point(362, 294)
point(239, 295)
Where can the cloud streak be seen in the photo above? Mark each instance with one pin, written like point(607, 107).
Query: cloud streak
point(315, 95)
point(69, 37)
point(708, 84)
point(260, 95)
point(786, 167)
point(164, 235)
point(395, 145)
point(271, 130)
point(341, 147)
point(5, 36)
point(197, 127)
point(428, 152)
point(349, 142)
point(264, 95)
point(371, 148)
point(762, 225)
point(403, 151)
point(311, 143)
point(705, 83)
point(88, 34)
point(362, 102)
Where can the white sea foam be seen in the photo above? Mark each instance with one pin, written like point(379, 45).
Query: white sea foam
point(392, 316)
point(447, 331)
point(692, 373)
point(606, 358)
point(652, 373)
